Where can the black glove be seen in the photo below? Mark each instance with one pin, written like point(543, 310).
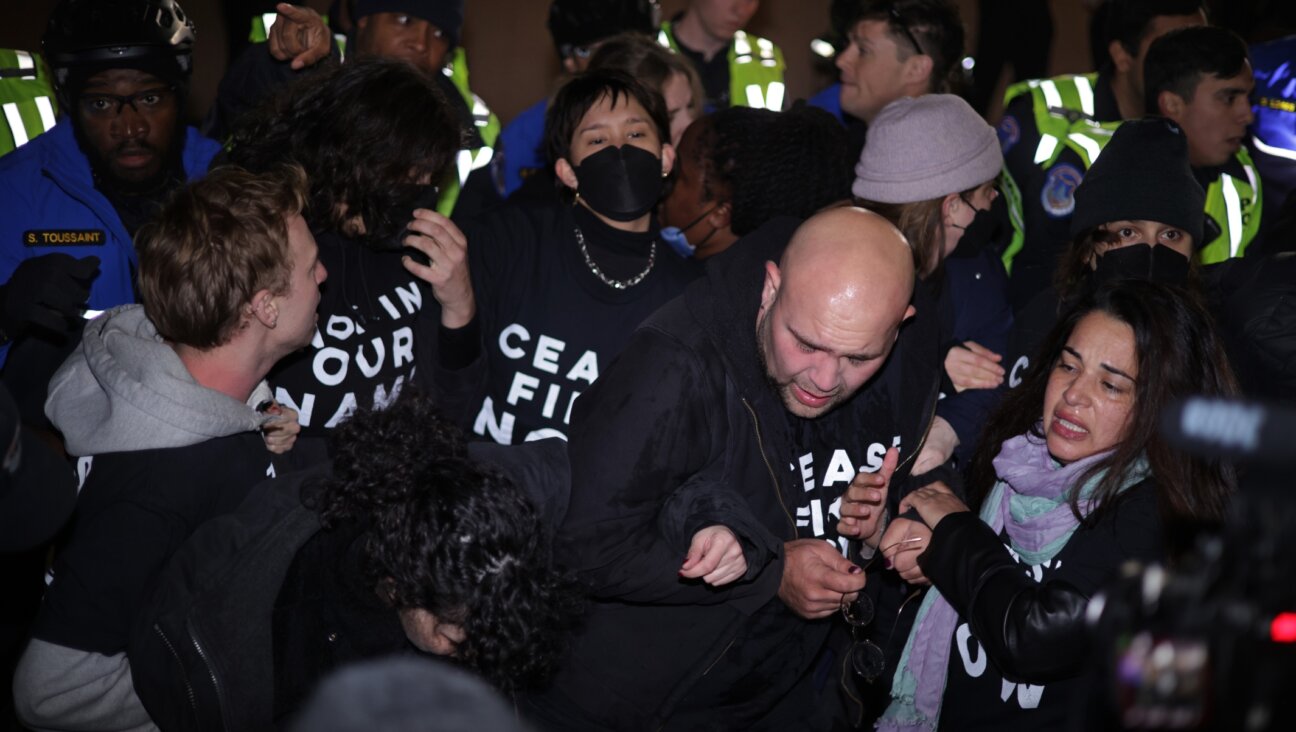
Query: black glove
point(47, 292)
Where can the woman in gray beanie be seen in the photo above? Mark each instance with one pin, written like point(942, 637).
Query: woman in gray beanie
point(931, 165)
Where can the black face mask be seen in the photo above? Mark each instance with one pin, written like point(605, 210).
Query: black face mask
point(621, 183)
point(976, 235)
point(390, 233)
point(987, 228)
point(1142, 262)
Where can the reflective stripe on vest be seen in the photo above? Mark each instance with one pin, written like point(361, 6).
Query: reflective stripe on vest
point(26, 99)
point(1012, 197)
point(1063, 110)
point(756, 69)
point(487, 124)
point(1236, 205)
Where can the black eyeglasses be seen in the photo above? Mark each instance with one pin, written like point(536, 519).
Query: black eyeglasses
point(899, 22)
point(110, 105)
point(865, 657)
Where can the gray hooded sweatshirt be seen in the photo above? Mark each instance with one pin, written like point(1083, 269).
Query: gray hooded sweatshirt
point(124, 389)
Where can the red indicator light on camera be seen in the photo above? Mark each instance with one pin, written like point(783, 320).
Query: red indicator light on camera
point(1283, 628)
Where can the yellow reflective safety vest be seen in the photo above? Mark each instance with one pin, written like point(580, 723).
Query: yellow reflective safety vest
point(26, 98)
point(487, 124)
point(1235, 203)
point(1063, 112)
point(756, 69)
point(484, 120)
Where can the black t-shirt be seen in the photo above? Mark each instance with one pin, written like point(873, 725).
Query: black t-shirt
point(363, 351)
point(134, 511)
point(549, 325)
point(831, 451)
point(977, 696)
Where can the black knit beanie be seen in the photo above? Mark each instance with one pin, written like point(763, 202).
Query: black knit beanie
point(445, 14)
point(1142, 175)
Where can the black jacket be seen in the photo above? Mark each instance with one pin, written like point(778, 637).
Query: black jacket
point(1029, 622)
point(685, 422)
point(203, 651)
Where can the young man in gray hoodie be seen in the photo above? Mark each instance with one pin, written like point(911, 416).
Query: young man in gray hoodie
point(165, 408)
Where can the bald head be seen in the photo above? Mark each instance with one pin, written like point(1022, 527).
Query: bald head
point(849, 253)
point(832, 308)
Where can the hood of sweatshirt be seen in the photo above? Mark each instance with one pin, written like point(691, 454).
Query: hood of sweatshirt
point(124, 389)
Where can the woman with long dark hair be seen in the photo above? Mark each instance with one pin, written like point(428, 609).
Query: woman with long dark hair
point(1072, 479)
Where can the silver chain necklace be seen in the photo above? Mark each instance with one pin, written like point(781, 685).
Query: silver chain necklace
point(616, 284)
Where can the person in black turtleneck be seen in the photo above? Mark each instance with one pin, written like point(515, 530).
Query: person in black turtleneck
point(536, 300)
point(370, 134)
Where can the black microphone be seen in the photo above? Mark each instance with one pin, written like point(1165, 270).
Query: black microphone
point(1230, 429)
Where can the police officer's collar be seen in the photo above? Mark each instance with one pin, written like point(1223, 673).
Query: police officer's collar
point(1211, 173)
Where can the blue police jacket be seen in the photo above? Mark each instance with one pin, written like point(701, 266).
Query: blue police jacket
point(48, 204)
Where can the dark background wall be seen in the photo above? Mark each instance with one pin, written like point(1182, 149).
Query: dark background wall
point(512, 59)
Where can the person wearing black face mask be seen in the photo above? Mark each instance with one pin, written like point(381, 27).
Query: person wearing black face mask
point(931, 165)
point(555, 289)
point(372, 135)
point(1139, 215)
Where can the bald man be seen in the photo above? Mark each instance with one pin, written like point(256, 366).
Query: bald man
point(708, 465)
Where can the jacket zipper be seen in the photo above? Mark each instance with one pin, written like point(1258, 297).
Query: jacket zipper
point(760, 445)
point(211, 672)
point(193, 698)
point(931, 416)
point(722, 655)
point(704, 673)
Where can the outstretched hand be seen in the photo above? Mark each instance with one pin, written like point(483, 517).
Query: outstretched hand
point(299, 34)
point(716, 556)
point(902, 542)
point(280, 432)
point(817, 579)
point(933, 502)
point(447, 271)
point(971, 365)
point(864, 502)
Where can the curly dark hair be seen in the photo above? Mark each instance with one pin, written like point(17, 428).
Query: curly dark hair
point(1179, 354)
point(447, 535)
point(770, 164)
point(366, 132)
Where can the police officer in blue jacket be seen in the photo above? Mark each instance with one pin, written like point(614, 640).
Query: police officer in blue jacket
point(72, 198)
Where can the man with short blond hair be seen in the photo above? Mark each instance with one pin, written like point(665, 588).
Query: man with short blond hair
point(165, 408)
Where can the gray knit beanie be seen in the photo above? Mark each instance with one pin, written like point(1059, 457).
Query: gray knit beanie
point(921, 148)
